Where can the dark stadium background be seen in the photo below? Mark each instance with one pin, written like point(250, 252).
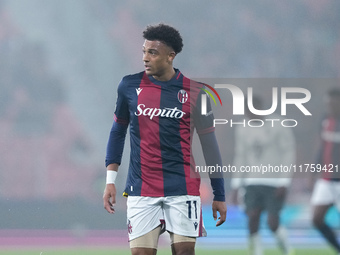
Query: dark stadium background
point(60, 64)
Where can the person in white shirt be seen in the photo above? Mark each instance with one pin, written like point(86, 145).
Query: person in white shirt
point(271, 146)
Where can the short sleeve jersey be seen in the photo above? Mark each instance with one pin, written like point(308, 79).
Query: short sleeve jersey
point(162, 117)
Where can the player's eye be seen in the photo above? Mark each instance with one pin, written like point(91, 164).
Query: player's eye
point(153, 52)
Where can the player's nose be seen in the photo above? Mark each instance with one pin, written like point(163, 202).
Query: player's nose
point(145, 58)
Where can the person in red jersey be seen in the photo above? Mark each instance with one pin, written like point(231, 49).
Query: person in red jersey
point(326, 191)
point(162, 107)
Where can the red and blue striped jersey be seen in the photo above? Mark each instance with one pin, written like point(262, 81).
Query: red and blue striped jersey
point(162, 117)
point(329, 157)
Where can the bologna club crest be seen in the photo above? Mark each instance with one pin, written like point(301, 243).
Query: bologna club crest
point(129, 227)
point(182, 96)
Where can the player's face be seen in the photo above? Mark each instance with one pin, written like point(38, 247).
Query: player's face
point(157, 58)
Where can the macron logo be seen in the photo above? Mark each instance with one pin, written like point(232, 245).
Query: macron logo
point(138, 90)
point(195, 225)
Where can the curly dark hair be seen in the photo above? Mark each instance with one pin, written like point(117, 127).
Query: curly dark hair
point(166, 34)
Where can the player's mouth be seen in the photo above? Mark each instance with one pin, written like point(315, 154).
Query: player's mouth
point(147, 68)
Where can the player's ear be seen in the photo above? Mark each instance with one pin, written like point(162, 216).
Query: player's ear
point(171, 56)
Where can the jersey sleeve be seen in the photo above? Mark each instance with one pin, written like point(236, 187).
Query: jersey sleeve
point(204, 124)
point(212, 157)
point(115, 145)
point(121, 115)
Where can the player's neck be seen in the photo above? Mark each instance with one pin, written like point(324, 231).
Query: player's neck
point(167, 76)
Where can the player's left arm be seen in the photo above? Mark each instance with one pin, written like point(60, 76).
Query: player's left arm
point(206, 132)
point(212, 157)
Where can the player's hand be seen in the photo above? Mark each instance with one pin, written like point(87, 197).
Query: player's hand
point(109, 197)
point(218, 206)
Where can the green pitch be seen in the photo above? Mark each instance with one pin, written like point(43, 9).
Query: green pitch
point(99, 251)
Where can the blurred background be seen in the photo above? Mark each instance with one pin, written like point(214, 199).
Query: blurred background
point(61, 62)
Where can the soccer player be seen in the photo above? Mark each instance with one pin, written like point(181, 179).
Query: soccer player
point(263, 146)
point(327, 189)
point(162, 108)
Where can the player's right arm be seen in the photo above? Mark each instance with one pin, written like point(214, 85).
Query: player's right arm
point(109, 197)
point(115, 146)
